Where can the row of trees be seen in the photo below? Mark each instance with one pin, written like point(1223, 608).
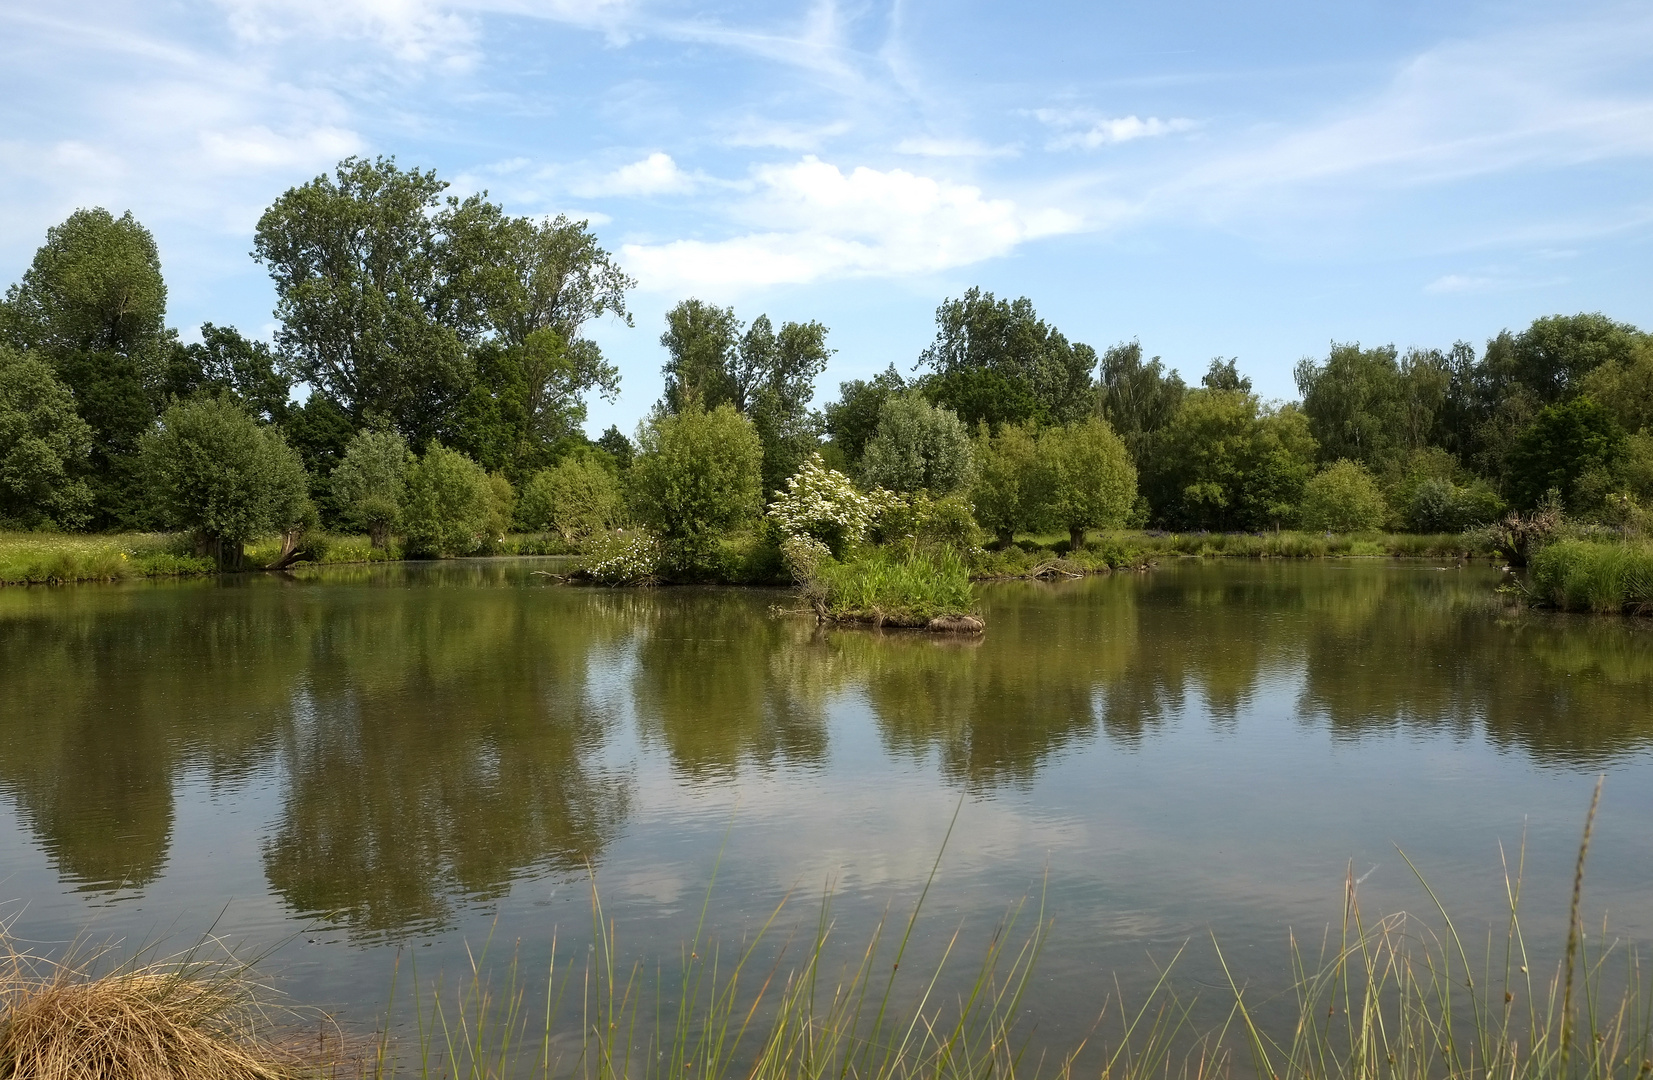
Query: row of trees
point(417, 331)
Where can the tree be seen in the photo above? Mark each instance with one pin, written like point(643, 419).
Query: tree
point(223, 361)
point(1092, 480)
point(447, 503)
point(1552, 357)
point(1624, 387)
point(1225, 463)
point(1012, 487)
point(702, 342)
point(1137, 398)
point(1039, 374)
point(93, 304)
point(44, 447)
point(1354, 402)
point(214, 470)
point(853, 418)
point(371, 482)
point(577, 497)
point(697, 473)
point(1568, 444)
point(369, 311)
point(618, 446)
point(775, 381)
point(917, 447)
point(1342, 497)
point(1225, 375)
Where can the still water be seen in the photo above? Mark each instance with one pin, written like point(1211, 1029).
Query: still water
point(361, 763)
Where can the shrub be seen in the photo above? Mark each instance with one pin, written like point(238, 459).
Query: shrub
point(894, 587)
point(371, 481)
point(823, 504)
point(696, 474)
point(623, 558)
point(576, 498)
point(1438, 506)
point(215, 471)
point(44, 447)
point(502, 505)
point(448, 504)
point(1343, 497)
point(1092, 480)
point(1012, 486)
point(917, 446)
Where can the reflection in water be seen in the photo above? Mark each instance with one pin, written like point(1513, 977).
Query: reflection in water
point(438, 732)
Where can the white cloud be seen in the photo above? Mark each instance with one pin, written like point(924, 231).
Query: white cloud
point(1451, 284)
point(257, 148)
point(656, 174)
point(414, 31)
point(813, 221)
point(762, 133)
point(922, 146)
point(1086, 130)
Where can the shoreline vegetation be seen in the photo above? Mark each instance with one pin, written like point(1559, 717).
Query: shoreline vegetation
point(1397, 997)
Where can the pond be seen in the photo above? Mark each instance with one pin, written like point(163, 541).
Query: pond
point(364, 763)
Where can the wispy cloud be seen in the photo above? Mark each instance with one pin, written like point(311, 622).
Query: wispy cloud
point(924, 146)
point(811, 220)
point(1086, 130)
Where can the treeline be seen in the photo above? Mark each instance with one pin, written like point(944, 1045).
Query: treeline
point(429, 376)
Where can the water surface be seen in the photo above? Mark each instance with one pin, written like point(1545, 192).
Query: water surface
point(358, 761)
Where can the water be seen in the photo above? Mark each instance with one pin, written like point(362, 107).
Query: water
point(362, 763)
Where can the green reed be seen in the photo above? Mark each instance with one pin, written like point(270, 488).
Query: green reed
point(1601, 576)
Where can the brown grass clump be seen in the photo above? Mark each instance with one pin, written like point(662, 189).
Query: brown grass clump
point(181, 1019)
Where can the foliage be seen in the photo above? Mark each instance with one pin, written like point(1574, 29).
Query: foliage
point(1623, 385)
point(894, 586)
point(370, 483)
point(225, 362)
point(1572, 448)
point(624, 558)
point(1011, 491)
point(917, 446)
point(1137, 399)
point(615, 443)
point(926, 520)
point(1092, 480)
point(215, 471)
point(94, 286)
point(852, 419)
point(1225, 463)
point(1602, 577)
point(1342, 497)
point(823, 504)
point(578, 497)
point(448, 505)
point(996, 361)
point(1372, 406)
point(502, 508)
point(44, 447)
point(696, 474)
point(1439, 505)
point(701, 342)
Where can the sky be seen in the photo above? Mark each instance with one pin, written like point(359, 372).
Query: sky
point(1209, 178)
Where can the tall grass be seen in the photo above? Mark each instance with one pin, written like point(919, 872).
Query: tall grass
point(1604, 577)
point(895, 586)
point(59, 558)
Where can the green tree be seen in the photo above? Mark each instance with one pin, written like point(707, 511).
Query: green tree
point(1342, 497)
point(1568, 444)
point(1353, 402)
point(319, 431)
point(44, 447)
point(996, 360)
point(702, 342)
point(215, 471)
point(852, 419)
point(696, 475)
point(577, 497)
point(447, 504)
point(614, 441)
point(1137, 399)
point(918, 447)
point(224, 361)
point(371, 482)
point(365, 293)
point(1623, 386)
point(1012, 487)
point(1093, 483)
point(1224, 374)
point(93, 303)
point(775, 380)
point(1224, 463)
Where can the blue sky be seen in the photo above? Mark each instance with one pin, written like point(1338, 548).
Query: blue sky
point(1227, 179)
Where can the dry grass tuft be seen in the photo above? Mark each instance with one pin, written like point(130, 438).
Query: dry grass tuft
point(178, 1019)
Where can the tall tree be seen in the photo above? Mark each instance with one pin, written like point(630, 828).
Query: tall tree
point(775, 380)
point(996, 360)
point(366, 295)
point(1137, 398)
point(44, 446)
point(702, 343)
point(852, 419)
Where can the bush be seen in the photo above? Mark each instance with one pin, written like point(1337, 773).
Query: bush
point(1092, 480)
point(823, 504)
point(917, 446)
point(215, 471)
point(448, 505)
point(1011, 490)
point(502, 505)
point(696, 474)
point(623, 558)
point(371, 481)
point(1440, 506)
point(44, 447)
point(576, 498)
point(1343, 497)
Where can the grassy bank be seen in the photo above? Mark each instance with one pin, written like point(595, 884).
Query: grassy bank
point(56, 558)
point(1600, 576)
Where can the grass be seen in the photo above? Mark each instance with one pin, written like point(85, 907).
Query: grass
point(59, 558)
point(1395, 998)
point(891, 586)
point(1600, 576)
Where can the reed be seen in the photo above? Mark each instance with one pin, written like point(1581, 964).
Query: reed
point(1601, 576)
point(895, 586)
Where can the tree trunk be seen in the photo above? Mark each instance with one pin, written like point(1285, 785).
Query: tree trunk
point(378, 535)
point(1007, 539)
point(291, 550)
point(1076, 539)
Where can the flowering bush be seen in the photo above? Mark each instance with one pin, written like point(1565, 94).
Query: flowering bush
point(622, 558)
point(803, 556)
point(825, 505)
